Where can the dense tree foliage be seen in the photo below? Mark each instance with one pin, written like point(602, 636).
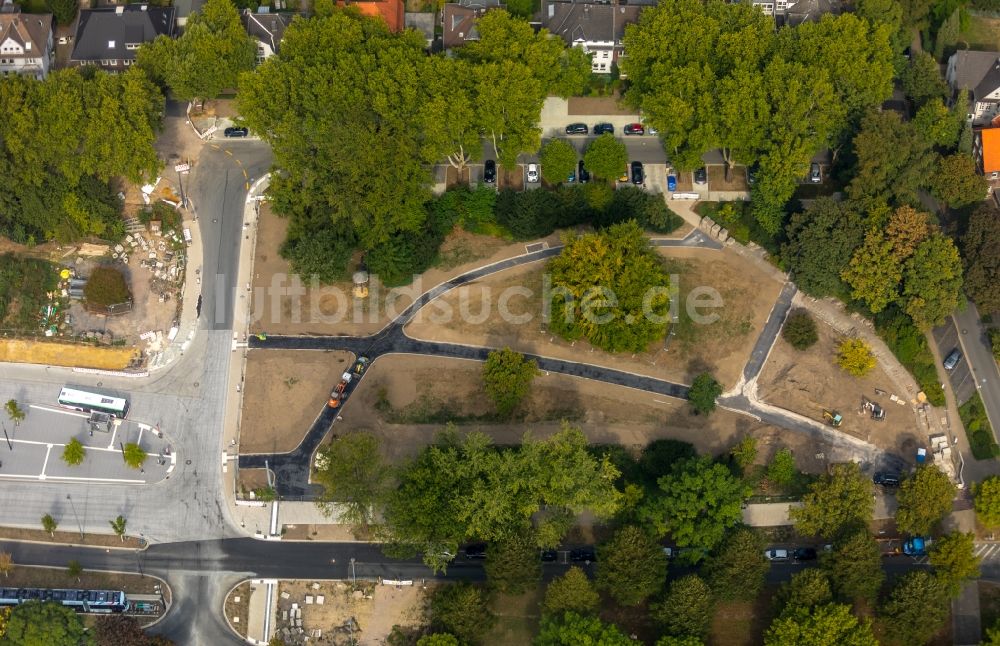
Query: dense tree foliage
point(631, 567)
point(65, 139)
point(855, 357)
point(821, 242)
point(800, 330)
point(63, 10)
point(354, 477)
point(42, 624)
point(916, 609)
point(954, 559)
point(703, 392)
point(606, 157)
point(207, 58)
point(981, 253)
point(922, 81)
point(461, 609)
point(572, 591)
point(687, 609)
point(830, 623)
point(611, 289)
point(571, 629)
point(807, 588)
point(106, 286)
point(854, 565)
point(512, 564)
point(737, 569)
point(558, 160)
point(700, 500)
point(839, 500)
point(507, 377)
point(893, 161)
point(986, 495)
point(924, 499)
point(439, 639)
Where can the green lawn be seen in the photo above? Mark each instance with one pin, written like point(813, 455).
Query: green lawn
point(981, 33)
point(518, 617)
point(978, 429)
point(24, 287)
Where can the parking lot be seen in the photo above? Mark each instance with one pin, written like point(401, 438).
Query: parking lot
point(963, 384)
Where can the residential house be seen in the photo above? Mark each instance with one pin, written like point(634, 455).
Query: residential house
point(979, 74)
point(423, 23)
point(391, 11)
point(986, 151)
point(597, 28)
point(110, 36)
point(458, 21)
point(796, 12)
point(25, 42)
point(267, 29)
point(184, 9)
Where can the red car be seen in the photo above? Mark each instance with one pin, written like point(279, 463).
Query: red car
point(635, 129)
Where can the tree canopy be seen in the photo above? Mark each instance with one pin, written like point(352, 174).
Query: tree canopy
point(806, 589)
point(354, 477)
point(821, 243)
point(854, 565)
point(703, 393)
point(558, 160)
point(687, 609)
point(954, 560)
point(839, 500)
point(800, 330)
point(461, 609)
point(572, 591)
point(571, 629)
point(507, 377)
point(512, 565)
point(916, 609)
point(830, 623)
point(737, 569)
point(924, 499)
point(981, 254)
point(986, 496)
point(42, 624)
point(606, 157)
point(631, 567)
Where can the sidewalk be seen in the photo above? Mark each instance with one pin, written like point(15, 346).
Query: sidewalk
point(187, 326)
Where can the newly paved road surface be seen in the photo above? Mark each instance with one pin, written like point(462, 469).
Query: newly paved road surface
point(976, 348)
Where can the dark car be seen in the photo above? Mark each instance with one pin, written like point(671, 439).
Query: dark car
point(751, 175)
point(700, 176)
point(804, 554)
point(490, 171)
point(952, 359)
point(582, 173)
point(886, 479)
point(583, 554)
point(577, 129)
point(815, 174)
point(233, 131)
point(603, 128)
point(635, 129)
point(550, 556)
point(476, 551)
point(637, 175)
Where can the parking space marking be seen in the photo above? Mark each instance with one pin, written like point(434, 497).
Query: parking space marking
point(14, 476)
point(61, 411)
point(48, 452)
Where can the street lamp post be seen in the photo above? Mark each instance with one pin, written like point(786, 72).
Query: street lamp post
point(73, 507)
point(9, 445)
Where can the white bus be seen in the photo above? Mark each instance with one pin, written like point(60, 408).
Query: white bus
point(89, 402)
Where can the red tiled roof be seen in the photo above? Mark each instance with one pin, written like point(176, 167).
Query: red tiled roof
point(391, 11)
point(991, 149)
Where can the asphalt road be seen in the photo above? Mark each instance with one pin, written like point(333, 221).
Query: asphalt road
point(976, 348)
point(963, 384)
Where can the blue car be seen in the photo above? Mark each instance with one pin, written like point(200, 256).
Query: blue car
point(671, 182)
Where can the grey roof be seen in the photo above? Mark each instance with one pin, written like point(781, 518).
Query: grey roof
point(989, 83)
point(971, 67)
point(581, 22)
point(422, 22)
point(187, 7)
point(103, 34)
point(30, 31)
point(458, 22)
point(266, 27)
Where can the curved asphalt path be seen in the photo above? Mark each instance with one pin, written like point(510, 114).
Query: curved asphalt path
point(291, 470)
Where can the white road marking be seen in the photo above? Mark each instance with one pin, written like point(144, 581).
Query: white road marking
point(48, 452)
point(14, 476)
point(113, 435)
point(61, 411)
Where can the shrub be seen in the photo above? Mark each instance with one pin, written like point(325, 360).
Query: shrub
point(855, 357)
point(800, 330)
point(703, 393)
point(978, 429)
point(106, 286)
point(910, 347)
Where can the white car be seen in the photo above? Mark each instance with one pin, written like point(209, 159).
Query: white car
point(776, 555)
point(532, 173)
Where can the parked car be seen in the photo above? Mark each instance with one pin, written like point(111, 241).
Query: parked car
point(571, 177)
point(670, 552)
point(233, 131)
point(804, 554)
point(776, 554)
point(751, 174)
point(886, 479)
point(577, 129)
point(952, 359)
point(490, 171)
point(476, 551)
point(701, 176)
point(671, 182)
point(638, 177)
point(532, 173)
point(603, 128)
point(549, 556)
point(583, 554)
point(582, 173)
point(815, 175)
point(635, 129)
point(916, 546)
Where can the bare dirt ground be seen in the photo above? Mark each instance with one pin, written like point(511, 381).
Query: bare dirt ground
point(238, 605)
point(406, 400)
point(717, 178)
point(454, 179)
point(367, 613)
point(67, 537)
point(810, 381)
point(470, 315)
point(301, 380)
point(331, 309)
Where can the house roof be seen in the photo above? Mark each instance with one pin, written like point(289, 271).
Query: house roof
point(970, 68)
point(102, 34)
point(422, 22)
point(266, 27)
point(582, 22)
point(991, 149)
point(24, 29)
point(989, 83)
point(389, 10)
point(187, 7)
point(458, 22)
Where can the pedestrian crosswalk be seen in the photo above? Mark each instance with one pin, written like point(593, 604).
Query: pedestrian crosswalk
point(987, 551)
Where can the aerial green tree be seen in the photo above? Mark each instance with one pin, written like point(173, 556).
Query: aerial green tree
point(461, 609)
point(830, 623)
point(855, 357)
point(806, 589)
point(906, 229)
point(938, 125)
point(889, 13)
point(134, 455)
point(981, 256)
point(893, 161)
point(106, 286)
point(558, 160)
point(839, 500)
point(14, 412)
point(572, 629)
point(737, 569)
point(854, 565)
point(670, 640)
point(572, 591)
point(956, 181)
point(631, 567)
point(874, 273)
point(450, 92)
point(439, 639)
point(49, 524)
point(611, 289)
point(74, 570)
point(954, 560)
point(354, 477)
point(697, 502)
point(916, 609)
point(703, 393)
point(74, 453)
point(922, 80)
point(39, 624)
point(781, 470)
point(118, 526)
point(606, 157)
point(986, 497)
point(821, 242)
point(924, 499)
point(507, 377)
point(63, 10)
point(799, 330)
point(932, 282)
point(745, 452)
point(513, 565)
point(687, 609)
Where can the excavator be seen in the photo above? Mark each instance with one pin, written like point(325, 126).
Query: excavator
point(832, 417)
